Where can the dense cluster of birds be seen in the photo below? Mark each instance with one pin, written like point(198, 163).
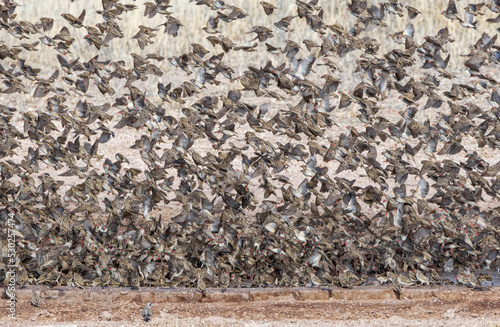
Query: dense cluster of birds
point(243, 221)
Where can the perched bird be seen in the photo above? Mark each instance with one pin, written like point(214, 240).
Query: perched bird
point(345, 278)
point(224, 279)
point(422, 278)
point(315, 280)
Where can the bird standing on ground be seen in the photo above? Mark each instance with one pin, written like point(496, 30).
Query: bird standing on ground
point(35, 299)
point(202, 287)
point(396, 287)
point(146, 312)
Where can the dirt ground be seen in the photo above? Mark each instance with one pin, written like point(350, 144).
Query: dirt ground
point(361, 306)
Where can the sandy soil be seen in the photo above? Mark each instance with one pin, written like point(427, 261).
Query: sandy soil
point(368, 306)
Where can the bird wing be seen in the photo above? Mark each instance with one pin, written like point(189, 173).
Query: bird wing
point(423, 187)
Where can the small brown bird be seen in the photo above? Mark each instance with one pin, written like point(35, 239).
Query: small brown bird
point(199, 50)
point(272, 49)
point(212, 25)
point(404, 280)
point(345, 278)
point(9, 294)
point(46, 23)
point(263, 33)
point(78, 280)
point(224, 279)
point(412, 12)
point(268, 7)
point(396, 287)
point(451, 11)
point(30, 46)
point(284, 23)
point(172, 26)
point(463, 278)
point(73, 21)
point(202, 286)
point(291, 49)
point(35, 299)
point(421, 277)
point(357, 7)
point(144, 36)
point(475, 8)
point(315, 281)
point(310, 44)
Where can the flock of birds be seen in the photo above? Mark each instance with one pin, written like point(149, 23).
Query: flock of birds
point(243, 222)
